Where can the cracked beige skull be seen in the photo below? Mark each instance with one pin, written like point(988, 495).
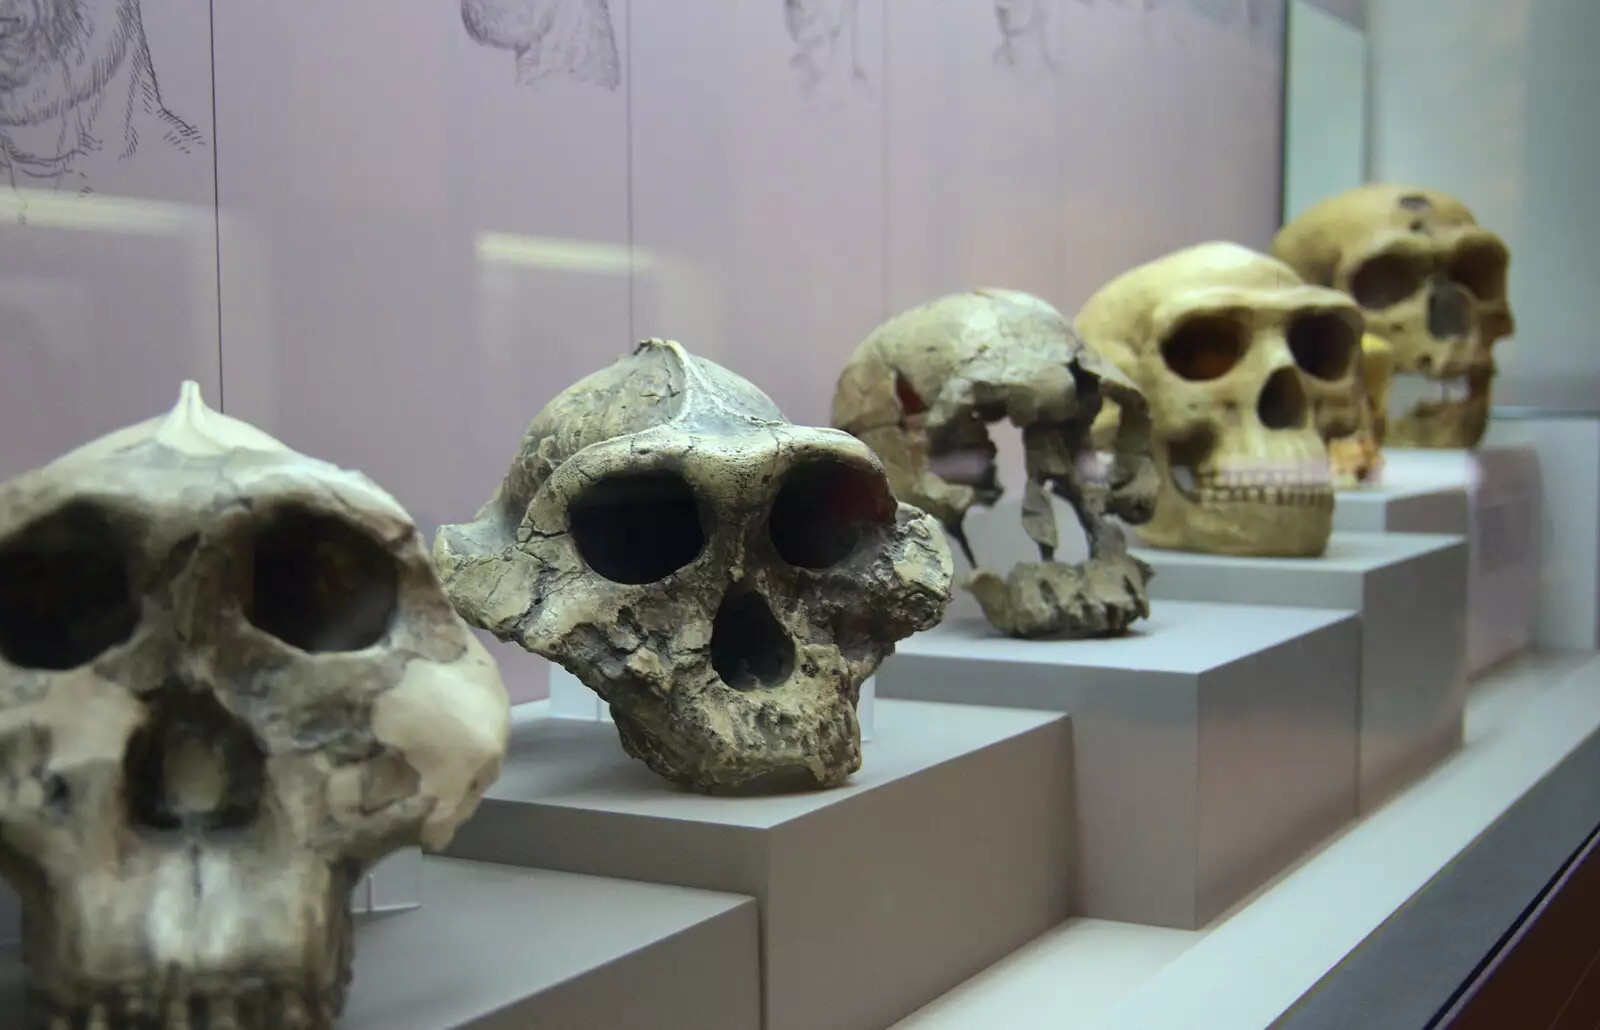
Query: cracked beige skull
point(1247, 371)
point(1431, 282)
point(724, 578)
point(229, 683)
point(922, 391)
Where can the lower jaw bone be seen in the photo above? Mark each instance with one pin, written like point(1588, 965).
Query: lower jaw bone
point(1100, 597)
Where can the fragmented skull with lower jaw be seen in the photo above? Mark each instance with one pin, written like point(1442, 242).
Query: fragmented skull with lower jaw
point(724, 578)
point(229, 684)
point(1248, 371)
point(922, 391)
point(1430, 281)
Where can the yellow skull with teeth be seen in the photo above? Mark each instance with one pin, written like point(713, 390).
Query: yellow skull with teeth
point(1248, 372)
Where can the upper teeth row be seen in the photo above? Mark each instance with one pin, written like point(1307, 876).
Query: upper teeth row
point(1308, 473)
point(1309, 476)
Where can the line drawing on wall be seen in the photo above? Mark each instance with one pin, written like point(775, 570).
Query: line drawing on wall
point(79, 96)
point(575, 38)
point(1024, 34)
point(818, 30)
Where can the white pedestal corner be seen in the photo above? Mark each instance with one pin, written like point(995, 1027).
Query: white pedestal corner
point(1411, 593)
point(945, 853)
point(1567, 608)
point(1211, 747)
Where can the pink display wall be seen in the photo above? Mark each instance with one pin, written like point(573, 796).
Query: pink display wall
point(391, 239)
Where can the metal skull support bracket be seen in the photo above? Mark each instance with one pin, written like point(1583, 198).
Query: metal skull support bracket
point(724, 578)
point(229, 683)
point(922, 391)
point(1430, 281)
point(1248, 372)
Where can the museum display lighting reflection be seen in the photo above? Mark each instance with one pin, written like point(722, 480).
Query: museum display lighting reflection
point(100, 212)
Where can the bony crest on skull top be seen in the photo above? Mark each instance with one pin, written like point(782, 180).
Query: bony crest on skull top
point(725, 579)
point(1248, 371)
point(923, 390)
point(230, 683)
point(1431, 281)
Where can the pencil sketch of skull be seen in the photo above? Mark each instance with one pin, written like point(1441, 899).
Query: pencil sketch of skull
point(1024, 35)
point(819, 28)
point(574, 38)
point(78, 94)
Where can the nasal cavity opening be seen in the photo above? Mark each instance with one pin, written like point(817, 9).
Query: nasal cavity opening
point(638, 527)
point(1449, 311)
point(749, 649)
point(65, 593)
point(1282, 404)
point(824, 509)
point(192, 766)
point(321, 584)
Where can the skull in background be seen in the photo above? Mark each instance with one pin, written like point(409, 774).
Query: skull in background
point(1430, 281)
point(921, 391)
point(229, 684)
point(725, 579)
point(1247, 371)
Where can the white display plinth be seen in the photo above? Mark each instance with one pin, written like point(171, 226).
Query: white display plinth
point(570, 699)
point(1399, 504)
point(1211, 747)
point(1252, 968)
point(1504, 499)
point(1567, 611)
point(944, 854)
point(394, 885)
point(529, 948)
point(1411, 592)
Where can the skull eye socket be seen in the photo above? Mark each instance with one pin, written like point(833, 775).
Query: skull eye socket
point(1323, 345)
point(1481, 268)
point(1205, 348)
point(824, 510)
point(1386, 280)
point(65, 594)
point(321, 584)
point(638, 527)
